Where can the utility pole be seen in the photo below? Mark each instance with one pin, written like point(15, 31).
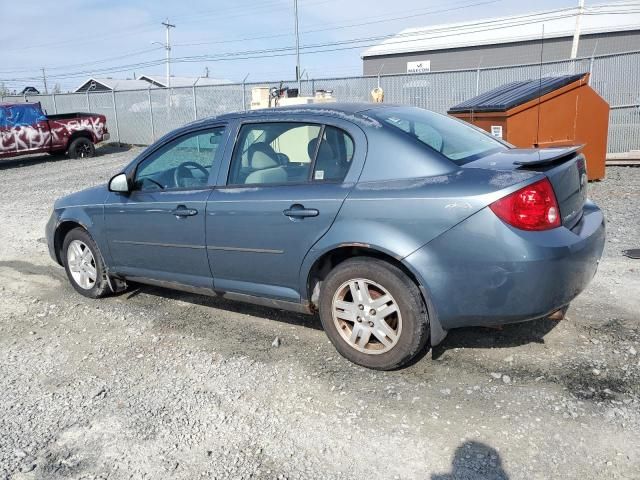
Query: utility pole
point(576, 32)
point(298, 79)
point(44, 80)
point(167, 47)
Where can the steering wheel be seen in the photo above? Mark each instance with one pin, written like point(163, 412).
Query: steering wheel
point(183, 171)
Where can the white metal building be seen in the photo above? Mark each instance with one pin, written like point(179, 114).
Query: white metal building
point(604, 29)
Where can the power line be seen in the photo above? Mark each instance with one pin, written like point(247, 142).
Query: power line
point(422, 34)
point(351, 25)
point(116, 69)
point(319, 48)
point(322, 47)
point(149, 26)
point(245, 12)
point(84, 40)
point(140, 52)
point(95, 62)
point(263, 5)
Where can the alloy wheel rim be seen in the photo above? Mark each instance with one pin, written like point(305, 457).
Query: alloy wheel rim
point(83, 150)
point(366, 316)
point(82, 264)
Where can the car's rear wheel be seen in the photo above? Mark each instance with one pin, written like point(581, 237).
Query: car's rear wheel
point(81, 147)
point(83, 264)
point(373, 313)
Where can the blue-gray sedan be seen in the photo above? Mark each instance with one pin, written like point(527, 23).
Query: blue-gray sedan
point(395, 223)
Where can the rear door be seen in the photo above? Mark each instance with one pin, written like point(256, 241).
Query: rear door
point(158, 230)
point(286, 183)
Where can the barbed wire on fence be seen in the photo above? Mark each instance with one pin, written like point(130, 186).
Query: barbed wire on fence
point(142, 116)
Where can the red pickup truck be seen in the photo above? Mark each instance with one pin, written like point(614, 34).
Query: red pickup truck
point(25, 129)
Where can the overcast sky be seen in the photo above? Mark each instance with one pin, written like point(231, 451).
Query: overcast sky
point(71, 37)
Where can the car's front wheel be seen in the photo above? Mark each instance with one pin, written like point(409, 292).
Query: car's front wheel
point(83, 264)
point(373, 313)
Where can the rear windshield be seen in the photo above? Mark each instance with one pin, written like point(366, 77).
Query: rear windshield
point(458, 141)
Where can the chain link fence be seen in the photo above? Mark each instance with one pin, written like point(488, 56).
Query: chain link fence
point(142, 116)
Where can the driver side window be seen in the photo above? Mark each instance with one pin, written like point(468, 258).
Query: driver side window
point(183, 163)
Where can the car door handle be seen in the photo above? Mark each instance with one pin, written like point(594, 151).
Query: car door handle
point(182, 211)
point(298, 211)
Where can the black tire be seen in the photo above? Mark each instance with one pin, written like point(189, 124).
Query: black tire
point(81, 147)
point(414, 333)
point(101, 286)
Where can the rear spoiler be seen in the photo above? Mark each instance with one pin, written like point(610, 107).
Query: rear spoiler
point(547, 156)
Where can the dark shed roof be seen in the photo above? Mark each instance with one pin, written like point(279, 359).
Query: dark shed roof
point(513, 94)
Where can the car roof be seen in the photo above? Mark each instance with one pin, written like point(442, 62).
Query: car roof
point(327, 108)
point(336, 109)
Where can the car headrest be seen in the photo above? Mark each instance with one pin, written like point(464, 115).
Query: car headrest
point(311, 147)
point(261, 156)
point(325, 149)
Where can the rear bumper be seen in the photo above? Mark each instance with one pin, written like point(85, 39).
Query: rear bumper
point(105, 137)
point(484, 272)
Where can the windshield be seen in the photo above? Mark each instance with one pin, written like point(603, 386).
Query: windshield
point(459, 142)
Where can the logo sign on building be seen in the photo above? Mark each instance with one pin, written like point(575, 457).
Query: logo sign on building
point(423, 66)
point(496, 131)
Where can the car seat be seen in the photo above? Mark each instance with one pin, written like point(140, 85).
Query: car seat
point(327, 161)
point(264, 162)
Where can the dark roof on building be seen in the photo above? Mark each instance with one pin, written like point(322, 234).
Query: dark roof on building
point(513, 94)
point(30, 89)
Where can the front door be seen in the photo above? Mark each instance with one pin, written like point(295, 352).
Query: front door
point(7, 141)
point(284, 189)
point(23, 129)
point(158, 230)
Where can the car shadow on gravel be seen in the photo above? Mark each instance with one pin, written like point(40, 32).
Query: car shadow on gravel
point(507, 336)
point(111, 148)
point(31, 160)
point(220, 303)
point(474, 337)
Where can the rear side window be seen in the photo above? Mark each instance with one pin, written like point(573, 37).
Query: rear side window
point(456, 140)
point(24, 115)
point(334, 155)
point(289, 152)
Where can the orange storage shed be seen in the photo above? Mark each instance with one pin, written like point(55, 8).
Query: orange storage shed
point(546, 112)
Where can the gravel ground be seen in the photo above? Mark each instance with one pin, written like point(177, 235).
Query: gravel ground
point(159, 384)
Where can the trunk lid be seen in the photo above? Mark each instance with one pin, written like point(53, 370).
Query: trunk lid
point(565, 168)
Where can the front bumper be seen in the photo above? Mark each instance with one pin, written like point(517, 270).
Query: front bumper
point(50, 231)
point(484, 272)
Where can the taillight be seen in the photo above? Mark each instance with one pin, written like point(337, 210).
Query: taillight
point(533, 207)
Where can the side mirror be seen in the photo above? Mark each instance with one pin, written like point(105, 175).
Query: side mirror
point(119, 183)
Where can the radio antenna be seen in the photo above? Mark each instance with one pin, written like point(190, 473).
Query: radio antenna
point(537, 144)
